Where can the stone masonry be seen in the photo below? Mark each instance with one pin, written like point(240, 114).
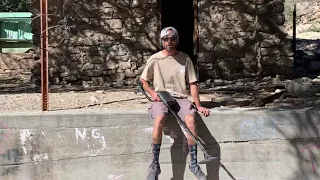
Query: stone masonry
point(243, 39)
point(108, 42)
point(99, 42)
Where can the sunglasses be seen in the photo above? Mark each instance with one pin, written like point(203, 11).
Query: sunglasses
point(166, 39)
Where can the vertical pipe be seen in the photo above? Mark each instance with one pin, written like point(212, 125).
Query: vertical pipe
point(294, 38)
point(44, 53)
point(196, 35)
point(159, 22)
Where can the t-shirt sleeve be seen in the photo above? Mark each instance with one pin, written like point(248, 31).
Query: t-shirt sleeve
point(147, 73)
point(191, 73)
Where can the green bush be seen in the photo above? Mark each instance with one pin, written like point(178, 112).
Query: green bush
point(315, 27)
point(14, 6)
point(288, 11)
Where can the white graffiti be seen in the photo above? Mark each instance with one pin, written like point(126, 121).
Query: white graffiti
point(80, 134)
point(26, 134)
point(92, 148)
point(40, 157)
point(148, 130)
point(170, 137)
point(114, 177)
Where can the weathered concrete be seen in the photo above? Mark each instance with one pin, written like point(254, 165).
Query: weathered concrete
point(253, 144)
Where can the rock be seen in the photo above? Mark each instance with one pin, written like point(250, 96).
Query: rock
point(93, 73)
point(118, 84)
point(100, 92)
point(129, 73)
point(301, 87)
point(314, 65)
point(316, 81)
point(93, 100)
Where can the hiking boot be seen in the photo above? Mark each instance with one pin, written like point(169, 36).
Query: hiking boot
point(153, 171)
point(196, 170)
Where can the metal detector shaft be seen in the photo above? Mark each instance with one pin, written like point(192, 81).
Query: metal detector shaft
point(207, 156)
point(185, 128)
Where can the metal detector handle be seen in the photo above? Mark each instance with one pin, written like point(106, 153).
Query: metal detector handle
point(166, 98)
point(140, 88)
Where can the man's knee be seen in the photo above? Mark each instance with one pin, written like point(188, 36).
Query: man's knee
point(159, 120)
point(190, 120)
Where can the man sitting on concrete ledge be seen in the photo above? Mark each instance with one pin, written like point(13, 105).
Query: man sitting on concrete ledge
point(170, 70)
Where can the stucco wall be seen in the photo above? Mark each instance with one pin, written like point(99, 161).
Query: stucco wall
point(253, 144)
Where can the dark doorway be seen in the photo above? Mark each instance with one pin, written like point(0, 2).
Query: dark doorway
point(180, 14)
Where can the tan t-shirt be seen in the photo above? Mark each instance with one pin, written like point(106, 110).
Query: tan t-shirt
point(170, 73)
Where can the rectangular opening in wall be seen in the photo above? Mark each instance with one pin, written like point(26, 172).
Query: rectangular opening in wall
point(180, 15)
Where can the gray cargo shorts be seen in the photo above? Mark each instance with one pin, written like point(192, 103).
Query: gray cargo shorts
point(185, 108)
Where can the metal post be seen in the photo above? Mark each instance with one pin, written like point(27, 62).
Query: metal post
point(294, 36)
point(44, 53)
point(196, 36)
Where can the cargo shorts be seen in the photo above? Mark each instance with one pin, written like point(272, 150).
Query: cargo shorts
point(184, 107)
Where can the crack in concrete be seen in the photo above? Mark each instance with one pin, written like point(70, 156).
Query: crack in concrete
point(76, 158)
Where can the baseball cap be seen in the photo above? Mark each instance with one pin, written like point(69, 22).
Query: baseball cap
point(164, 32)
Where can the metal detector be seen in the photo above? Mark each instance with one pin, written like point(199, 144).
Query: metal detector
point(169, 102)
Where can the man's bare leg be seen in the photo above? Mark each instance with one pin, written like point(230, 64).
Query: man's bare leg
point(194, 167)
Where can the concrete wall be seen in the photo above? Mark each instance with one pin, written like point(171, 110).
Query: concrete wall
point(90, 144)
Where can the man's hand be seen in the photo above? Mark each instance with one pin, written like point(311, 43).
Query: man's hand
point(204, 111)
point(154, 97)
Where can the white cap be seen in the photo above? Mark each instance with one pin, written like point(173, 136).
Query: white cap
point(164, 32)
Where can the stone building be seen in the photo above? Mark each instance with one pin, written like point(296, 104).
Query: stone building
point(103, 42)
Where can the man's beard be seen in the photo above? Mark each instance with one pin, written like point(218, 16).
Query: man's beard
point(170, 48)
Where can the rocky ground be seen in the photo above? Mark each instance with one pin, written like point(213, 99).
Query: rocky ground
point(267, 92)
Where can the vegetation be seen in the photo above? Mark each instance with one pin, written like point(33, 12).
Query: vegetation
point(14, 6)
point(288, 12)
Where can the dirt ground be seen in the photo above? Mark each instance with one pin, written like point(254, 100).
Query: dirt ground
point(62, 98)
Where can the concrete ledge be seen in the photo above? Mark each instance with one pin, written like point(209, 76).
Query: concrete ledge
point(111, 144)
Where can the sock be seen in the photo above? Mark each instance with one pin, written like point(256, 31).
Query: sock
point(155, 153)
point(193, 155)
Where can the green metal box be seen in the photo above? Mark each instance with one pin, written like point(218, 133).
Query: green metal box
point(15, 32)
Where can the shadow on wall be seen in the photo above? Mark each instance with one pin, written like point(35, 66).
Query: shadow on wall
point(305, 142)
point(300, 129)
point(180, 152)
point(243, 39)
point(98, 42)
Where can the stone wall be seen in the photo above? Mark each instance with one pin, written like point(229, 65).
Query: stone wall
point(16, 62)
point(243, 39)
point(108, 42)
point(99, 42)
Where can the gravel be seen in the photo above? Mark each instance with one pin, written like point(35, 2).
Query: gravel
point(99, 99)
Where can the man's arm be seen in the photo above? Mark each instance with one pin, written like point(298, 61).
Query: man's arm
point(149, 90)
point(195, 95)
